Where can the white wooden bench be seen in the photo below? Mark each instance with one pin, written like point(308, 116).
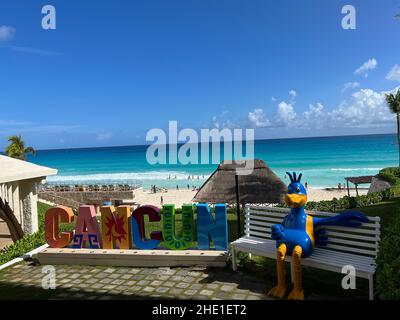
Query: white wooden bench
point(357, 247)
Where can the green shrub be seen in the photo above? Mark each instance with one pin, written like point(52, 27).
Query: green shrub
point(388, 261)
point(28, 242)
point(391, 175)
point(22, 246)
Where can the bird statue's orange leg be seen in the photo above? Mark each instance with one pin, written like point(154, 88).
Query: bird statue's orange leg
point(280, 290)
point(297, 293)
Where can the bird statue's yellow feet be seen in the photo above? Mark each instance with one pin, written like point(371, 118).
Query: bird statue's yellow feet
point(278, 292)
point(296, 295)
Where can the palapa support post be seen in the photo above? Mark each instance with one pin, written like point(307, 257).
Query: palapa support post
point(237, 204)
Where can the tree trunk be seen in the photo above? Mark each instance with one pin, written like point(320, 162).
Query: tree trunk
point(398, 133)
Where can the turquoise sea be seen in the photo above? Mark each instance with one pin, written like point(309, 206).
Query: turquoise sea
point(324, 162)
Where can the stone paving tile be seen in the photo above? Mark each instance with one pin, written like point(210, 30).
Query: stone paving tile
point(90, 282)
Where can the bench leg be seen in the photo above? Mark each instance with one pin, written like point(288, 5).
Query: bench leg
point(292, 272)
point(234, 266)
point(371, 286)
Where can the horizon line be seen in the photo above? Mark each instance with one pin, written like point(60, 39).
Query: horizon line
point(181, 143)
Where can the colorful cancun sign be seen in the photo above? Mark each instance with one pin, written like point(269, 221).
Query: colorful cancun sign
point(123, 229)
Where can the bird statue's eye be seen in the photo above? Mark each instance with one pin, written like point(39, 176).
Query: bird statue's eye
point(297, 189)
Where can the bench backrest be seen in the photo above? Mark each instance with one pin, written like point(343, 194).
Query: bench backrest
point(363, 240)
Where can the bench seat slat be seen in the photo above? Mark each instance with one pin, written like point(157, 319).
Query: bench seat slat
point(353, 230)
point(350, 249)
point(353, 243)
point(334, 243)
point(279, 219)
point(284, 211)
point(335, 254)
point(368, 235)
point(332, 234)
point(320, 256)
point(260, 241)
point(323, 254)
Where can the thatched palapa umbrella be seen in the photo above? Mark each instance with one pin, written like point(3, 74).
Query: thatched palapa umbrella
point(260, 185)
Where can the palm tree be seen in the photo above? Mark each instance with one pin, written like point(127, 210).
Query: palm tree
point(16, 148)
point(393, 101)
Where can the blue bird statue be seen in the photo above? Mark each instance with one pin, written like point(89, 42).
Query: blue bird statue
point(299, 234)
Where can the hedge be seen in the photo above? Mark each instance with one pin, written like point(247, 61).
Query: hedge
point(388, 261)
point(28, 242)
point(391, 175)
point(347, 202)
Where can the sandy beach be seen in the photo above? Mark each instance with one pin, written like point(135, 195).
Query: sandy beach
point(179, 197)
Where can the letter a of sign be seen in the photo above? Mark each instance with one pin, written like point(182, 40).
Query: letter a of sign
point(49, 20)
point(349, 20)
point(87, 229)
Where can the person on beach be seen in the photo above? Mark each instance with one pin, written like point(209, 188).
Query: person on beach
point(306, 185)
point(177, 187)
point(162, 200)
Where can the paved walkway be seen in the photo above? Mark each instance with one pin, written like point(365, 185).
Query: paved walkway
point(89, 282)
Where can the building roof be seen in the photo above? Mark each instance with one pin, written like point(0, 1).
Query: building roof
point(260, 186)
point(360, 180)
point(14, 170)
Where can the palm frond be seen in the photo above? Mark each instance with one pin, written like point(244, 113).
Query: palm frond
point(30, 150)
point(16, 148)
point(393, 101)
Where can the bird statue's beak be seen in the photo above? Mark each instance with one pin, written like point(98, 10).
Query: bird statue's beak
point(295, 200)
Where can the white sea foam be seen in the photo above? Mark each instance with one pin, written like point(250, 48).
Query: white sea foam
point(124, 176)
point(356, 169)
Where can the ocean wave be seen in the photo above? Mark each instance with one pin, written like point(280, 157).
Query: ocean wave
point(124, 176)
point(356, 169)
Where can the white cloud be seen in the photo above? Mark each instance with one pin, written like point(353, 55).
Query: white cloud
point(8, 123)
point(314, 117)
point(285, 114)
point(292, 94)
point(258, 118)
point(366, 66)
point(6, 33)
point(30, 50)
point(222, 121)
point(350, 85)
point(394, 73)
point(104, 136)
point(273, 99)
point(365, 108)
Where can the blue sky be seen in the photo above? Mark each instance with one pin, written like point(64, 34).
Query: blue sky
point(114, 69)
